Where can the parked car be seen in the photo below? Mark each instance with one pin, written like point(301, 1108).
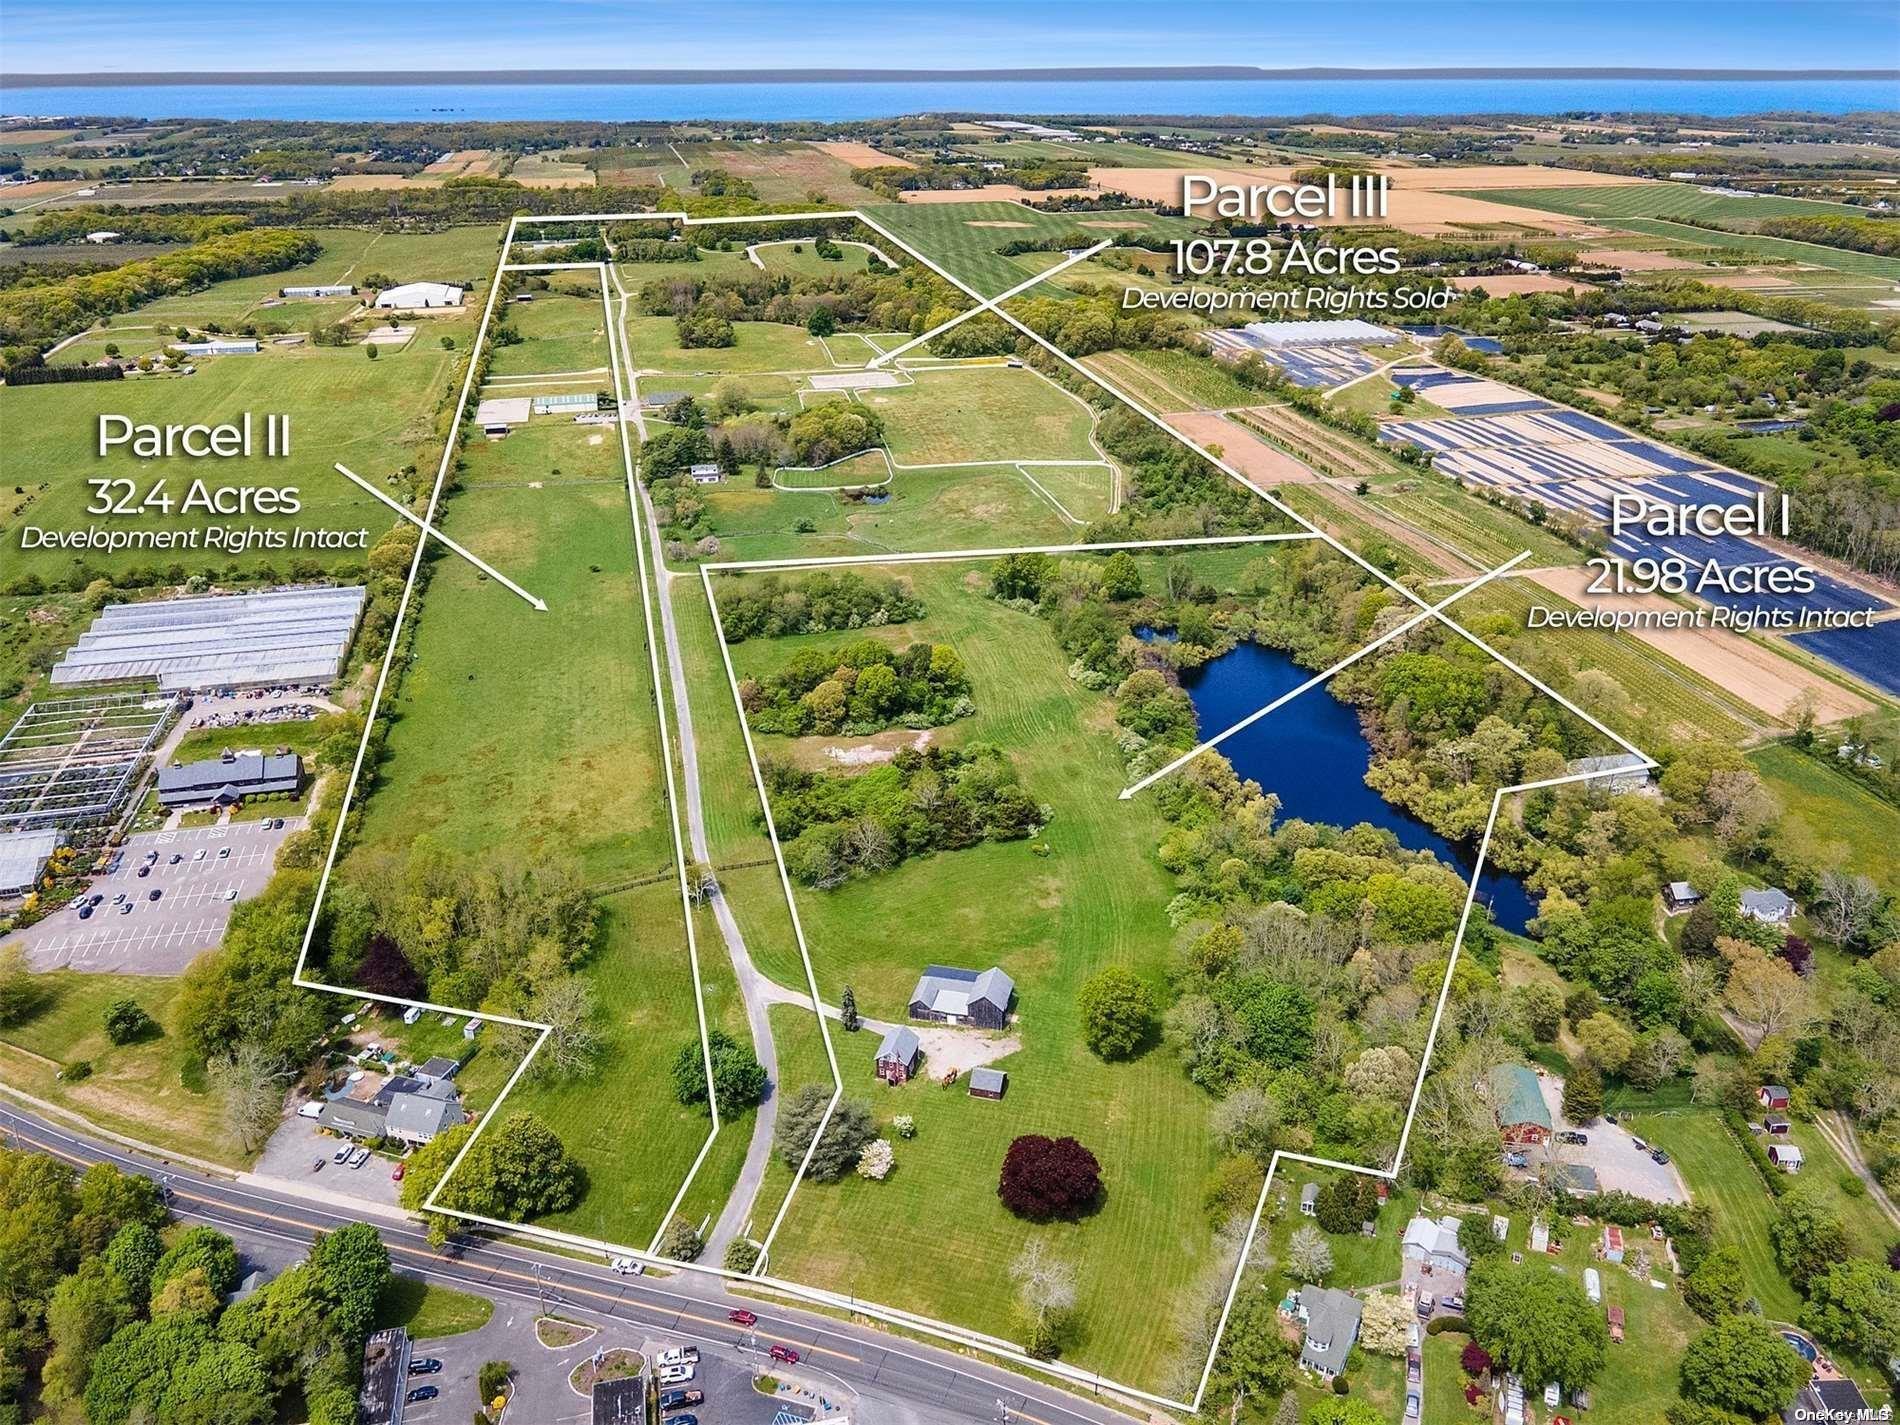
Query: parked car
point(680, 1399)
point(625, 1266)
point(119, 899)
point(153, 894)
point(359, 1157)
point(424, 1366)
point(1581, 1140)
point(342, 1154)
point(1516, 1160)
point(1411, 1405)
point(1453, 1303)
point(785, 1354)
point(317, 1166)
point(126, 909)
point(1414, 1368)
point(231, 894)
point(420, 1393)
point(675, 1375)
point(224, 853)
point(679, 1356)
point(144, 871)
point(201, 854)
point(1641, 1146)
point(397, 1175)
point(1656, 1155)
point(685, 1420)
point(85, 911)
point(1426, 1303)
point(742, 1317)
point(176, 858)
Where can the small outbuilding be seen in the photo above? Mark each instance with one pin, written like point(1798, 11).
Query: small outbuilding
point(897, 1055)
point(1612, 1245)
point(1309, 1200)
point(1785, 1156)
point(1615, 1317)
point(988, 1083)
point(1772, 1095)
point(1776, 1124)
point(1680, 895)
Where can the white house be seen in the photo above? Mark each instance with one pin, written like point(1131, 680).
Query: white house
point(420, 294)
point(1434, 1244)
point(1772, 906)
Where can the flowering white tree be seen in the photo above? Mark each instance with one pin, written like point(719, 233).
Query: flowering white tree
point(1385, 1324)
point(1308, 1256)
point(877, 1160)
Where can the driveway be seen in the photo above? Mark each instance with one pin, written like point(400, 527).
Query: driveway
point(161, 937)
point(1620, 1165)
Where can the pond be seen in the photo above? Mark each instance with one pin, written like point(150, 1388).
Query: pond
point(1313, 756)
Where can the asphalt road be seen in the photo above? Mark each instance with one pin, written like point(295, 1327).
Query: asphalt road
point(913, 1382)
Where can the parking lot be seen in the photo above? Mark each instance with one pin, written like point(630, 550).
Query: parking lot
point(296, 1146)
point(195, 875)
point(1620, 1165)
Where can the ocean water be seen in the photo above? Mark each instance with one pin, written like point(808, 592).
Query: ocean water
point(834, 101)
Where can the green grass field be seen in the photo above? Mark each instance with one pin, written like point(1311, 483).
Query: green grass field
point(431, 1312)
point(953, 236)
point(1613, 202)
point(1828, 819)
point(1097, 898)
point(136, 1089)
point(550, 449)
point(373, 416)
point(1082, 490)
point(799, 259)
point(563, 329)
point(758, 347)
point(957, 507)
point(1718, 1172)
point(986, 413)
point(1172, 380)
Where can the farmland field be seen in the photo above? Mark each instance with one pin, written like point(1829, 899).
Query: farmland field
point(1829, 819)
point(1839, 259)
point(1662, 200)
point(1097, 898)
point(992, 413)
point(562, 329)
point(963, 238)
point(758, 347)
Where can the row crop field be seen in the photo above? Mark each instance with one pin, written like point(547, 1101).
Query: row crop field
point(1662, 200)
point(964, 238)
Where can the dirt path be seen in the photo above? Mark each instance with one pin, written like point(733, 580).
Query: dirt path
point(1840, 1134)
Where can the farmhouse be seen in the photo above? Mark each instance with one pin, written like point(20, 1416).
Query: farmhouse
point(706, 473)
point(228, 780)
point(23, 855)
point(1772, 1096)
point(1332, 1326)
point(420, 294)
point(1680, 895)
point(1785, 1156)
point(1434, 1245)
point(988, 1083)
point(1522, 1114)
point(1616, 773)
point(945, 995)
point(403, 1108)
point(1771, 907)
point(897, 1055)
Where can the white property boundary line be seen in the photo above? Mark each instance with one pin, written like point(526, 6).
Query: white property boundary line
point(939, 1330)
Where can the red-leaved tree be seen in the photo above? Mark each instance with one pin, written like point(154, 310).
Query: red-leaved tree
point(1475, 1359)
point(1049, 1177)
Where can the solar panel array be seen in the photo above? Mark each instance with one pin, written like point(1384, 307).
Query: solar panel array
point(1569, 461)
point(1311, 366)
point(225, 640)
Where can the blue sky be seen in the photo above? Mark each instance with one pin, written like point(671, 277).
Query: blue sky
point(75, 35)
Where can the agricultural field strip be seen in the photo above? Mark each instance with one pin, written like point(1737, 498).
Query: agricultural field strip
point(944, 1331)
point(402, 609)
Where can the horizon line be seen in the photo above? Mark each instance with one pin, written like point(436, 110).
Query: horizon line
point(175, 78)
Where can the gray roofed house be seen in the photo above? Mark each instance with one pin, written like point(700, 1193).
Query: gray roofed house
point(1332, 1326)
point(1680, 895)
point(1771, 907)
point(897, 1054)
point(353, 1119)
point(1578, 1179)
point(1435, 1244)
point(229, 779)
point(437, 1068)
point(418, 1118)
point(1614, 772)
point(988, 1083)
point(950, 996)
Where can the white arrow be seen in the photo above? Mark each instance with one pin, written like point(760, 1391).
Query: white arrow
point(990, 304)
point(432, 531)
point(1318, 678)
